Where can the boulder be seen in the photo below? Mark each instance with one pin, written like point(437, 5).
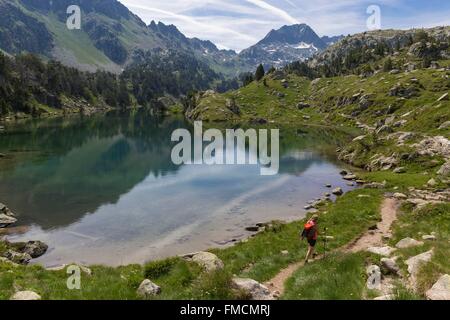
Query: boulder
point(253, 288)
point(208, 261)
point(17, 257)
point(374, 277)
point(349, 177)
point(445, 169)
point(429, 237)
point(148, 289)
point(338, 192)
point(389, 266)
point(399, 170)
point(6, 216)
point(432, 182)
point(400, 196)
point(303, 105)
point(6, 220)
point(382, 251)
point(440, 290)
point(35, 248)
point(408, 243)
point(415, 262)
point(445, 125)
point(26, 295)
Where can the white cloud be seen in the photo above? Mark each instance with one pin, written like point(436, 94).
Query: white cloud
point(237, 24)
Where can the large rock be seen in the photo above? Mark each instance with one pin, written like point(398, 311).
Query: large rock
point(440, 290)
point(338, 192)
point(26, 295)
point(148, 289)
point(445, 169)
point(208, 261)
point(382, 251)
point(374, 277)
point(6, 216)
point(18, 257)
point(414, 263)
point(256, 290)
point(408, 243)
point(390, 266)
point(35, 248)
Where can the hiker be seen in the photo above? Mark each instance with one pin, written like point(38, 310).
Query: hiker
point(310, 233)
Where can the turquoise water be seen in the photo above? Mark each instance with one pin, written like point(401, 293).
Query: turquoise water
point(104, 190)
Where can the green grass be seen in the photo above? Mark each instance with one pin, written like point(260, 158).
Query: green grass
point(414, 224)
point(336, 277)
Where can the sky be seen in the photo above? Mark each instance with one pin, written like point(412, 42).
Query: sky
point(238, 24)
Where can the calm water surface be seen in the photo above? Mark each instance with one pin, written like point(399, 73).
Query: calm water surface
point(104, 190)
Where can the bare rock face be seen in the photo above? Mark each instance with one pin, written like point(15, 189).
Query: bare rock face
point(256, 290)
point(208, 261)
point(440, 290)
point(408, 243)
point(26, 295)
point(148, 289)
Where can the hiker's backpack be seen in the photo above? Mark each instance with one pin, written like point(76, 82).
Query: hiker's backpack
point(308, 231)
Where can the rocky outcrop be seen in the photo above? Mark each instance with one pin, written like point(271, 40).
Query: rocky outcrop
point(148, 289)
point(208, 261)
point(26, 295)
point(433, 146)
point(18, 257)
point(35, 249)
point(253, 288)
point(6, 216)
point(440, 290)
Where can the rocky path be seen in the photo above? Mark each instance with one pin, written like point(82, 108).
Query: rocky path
point(371, 238)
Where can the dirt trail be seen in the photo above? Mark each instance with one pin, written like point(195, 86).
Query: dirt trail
point(371, 238)
point(374, 238)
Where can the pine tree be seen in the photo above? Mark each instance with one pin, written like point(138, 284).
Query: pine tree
point(259, 73)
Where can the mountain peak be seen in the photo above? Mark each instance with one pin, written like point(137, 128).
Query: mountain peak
point(294, 34)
